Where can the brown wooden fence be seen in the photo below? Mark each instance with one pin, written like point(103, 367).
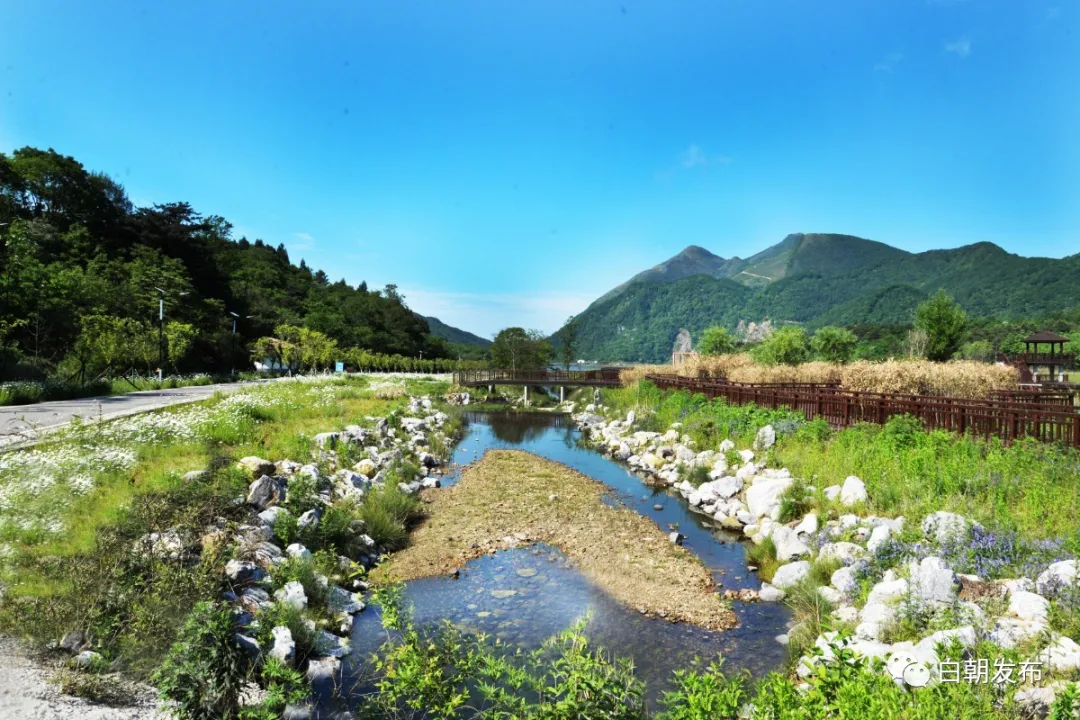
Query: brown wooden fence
point(1005, 419)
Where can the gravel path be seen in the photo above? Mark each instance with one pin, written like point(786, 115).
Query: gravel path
point(27, 694)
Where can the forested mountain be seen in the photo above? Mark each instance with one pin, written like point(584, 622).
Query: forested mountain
point(816, 279)
point(455, 335)
point(77, 256)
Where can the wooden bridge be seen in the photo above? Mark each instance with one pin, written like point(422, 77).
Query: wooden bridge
point(604, 377)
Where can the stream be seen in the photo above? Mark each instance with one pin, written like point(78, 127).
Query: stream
point(526, 595)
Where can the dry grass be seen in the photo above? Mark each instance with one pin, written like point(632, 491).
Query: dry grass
point(956, 378)
point(503, 501)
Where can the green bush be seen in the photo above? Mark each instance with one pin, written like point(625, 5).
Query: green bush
point(707, 693)
point(387, 513)
point(201, 676)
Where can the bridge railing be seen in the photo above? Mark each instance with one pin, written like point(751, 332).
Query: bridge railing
point(987, 418)
point(602, 376)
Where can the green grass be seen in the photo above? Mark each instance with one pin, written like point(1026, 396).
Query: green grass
point(86, 576)
point(1028, 487)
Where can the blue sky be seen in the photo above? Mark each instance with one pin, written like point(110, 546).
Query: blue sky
point(507, 162)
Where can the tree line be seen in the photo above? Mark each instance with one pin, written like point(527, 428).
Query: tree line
point(85, 274)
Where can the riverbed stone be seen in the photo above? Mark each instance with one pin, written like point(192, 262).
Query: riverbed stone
point(770, 593)
point(808, 525)
point(966, 635)
point(844, 580)
point(853, 491)
point(789, 575)
point(296, 550)
point(267, 491)
point(887, 591)
point(323, 669)
point(763, 497)
point(788, 544)
point(272, 515)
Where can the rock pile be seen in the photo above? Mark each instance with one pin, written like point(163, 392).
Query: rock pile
point(742, 494)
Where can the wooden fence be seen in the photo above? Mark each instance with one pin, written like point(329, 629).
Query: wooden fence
point(1005, 419)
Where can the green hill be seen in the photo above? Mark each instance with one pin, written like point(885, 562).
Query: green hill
point(454, 335)
point(816, 279)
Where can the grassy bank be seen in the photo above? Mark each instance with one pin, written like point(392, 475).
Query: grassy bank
point(512, 498)
point(1029, 487)
point(77, 513)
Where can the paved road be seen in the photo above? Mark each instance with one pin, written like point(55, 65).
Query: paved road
point(19, 422)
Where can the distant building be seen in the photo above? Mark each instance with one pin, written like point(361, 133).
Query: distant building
point(1044, 364)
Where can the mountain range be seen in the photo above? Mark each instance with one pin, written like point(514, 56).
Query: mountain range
point(815, 279)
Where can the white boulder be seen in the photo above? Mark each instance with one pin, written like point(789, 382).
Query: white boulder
point(789, 575)
point(853, 491)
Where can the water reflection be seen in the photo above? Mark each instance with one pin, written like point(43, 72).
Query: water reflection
point(502, 596)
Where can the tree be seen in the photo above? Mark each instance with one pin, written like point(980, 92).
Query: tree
point(945, 325)
point(834, 344)
point(716, 341)
point(515, 348)
point(786, 346)
point(568, 337)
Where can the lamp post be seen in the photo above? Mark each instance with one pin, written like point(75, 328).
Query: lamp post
point(161, 330)
point(232, 348)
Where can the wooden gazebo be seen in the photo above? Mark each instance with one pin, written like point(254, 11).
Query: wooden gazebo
point(1047, 365)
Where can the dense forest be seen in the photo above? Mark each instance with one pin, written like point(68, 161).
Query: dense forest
point(84, 271)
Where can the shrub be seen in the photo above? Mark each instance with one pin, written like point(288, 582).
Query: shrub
point(387, 513)
point(786, 346)
point(704, 693)
point(302, 571)
point(716, 341)
point(834, 344)
point(205, 669)
point(944, 322)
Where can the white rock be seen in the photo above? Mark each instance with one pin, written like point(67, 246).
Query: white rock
point(788, 575)
point(766, 438)
point(944, 526)
point(284, 647)
point(933, 583)
point(873, 617)
point(853, 491)
point(631, 417)
point(1060, 573)
point(849, 521)
point(1010, 632)
point(887, 591)
point(727, 446)
point(292, 593)
point(746, 455)
point(832, 492)
point(270, 516)
point(845, 552)
point(763, 497)
point(808, 525)
point(1029, 606)
point(830, 594)
point(296, 550)
point(846, 613)
point(788, 545)
point(1063, 655)
point(844, 580)
point(726, 487)
point(770, 593)
point(966, 635)
point(878, 536)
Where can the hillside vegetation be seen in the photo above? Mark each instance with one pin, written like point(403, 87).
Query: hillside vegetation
point(816, 280)
point(81, 264)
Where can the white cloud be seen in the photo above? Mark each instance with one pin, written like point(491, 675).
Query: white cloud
point(961, 47)
point(889, 63)
point(486, 313)
point(307, 241)
point(694, 156)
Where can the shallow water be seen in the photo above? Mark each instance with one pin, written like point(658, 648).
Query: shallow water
point(528, 607)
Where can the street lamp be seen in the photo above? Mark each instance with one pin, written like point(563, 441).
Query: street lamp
point(232, 350)
point(161, 329)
